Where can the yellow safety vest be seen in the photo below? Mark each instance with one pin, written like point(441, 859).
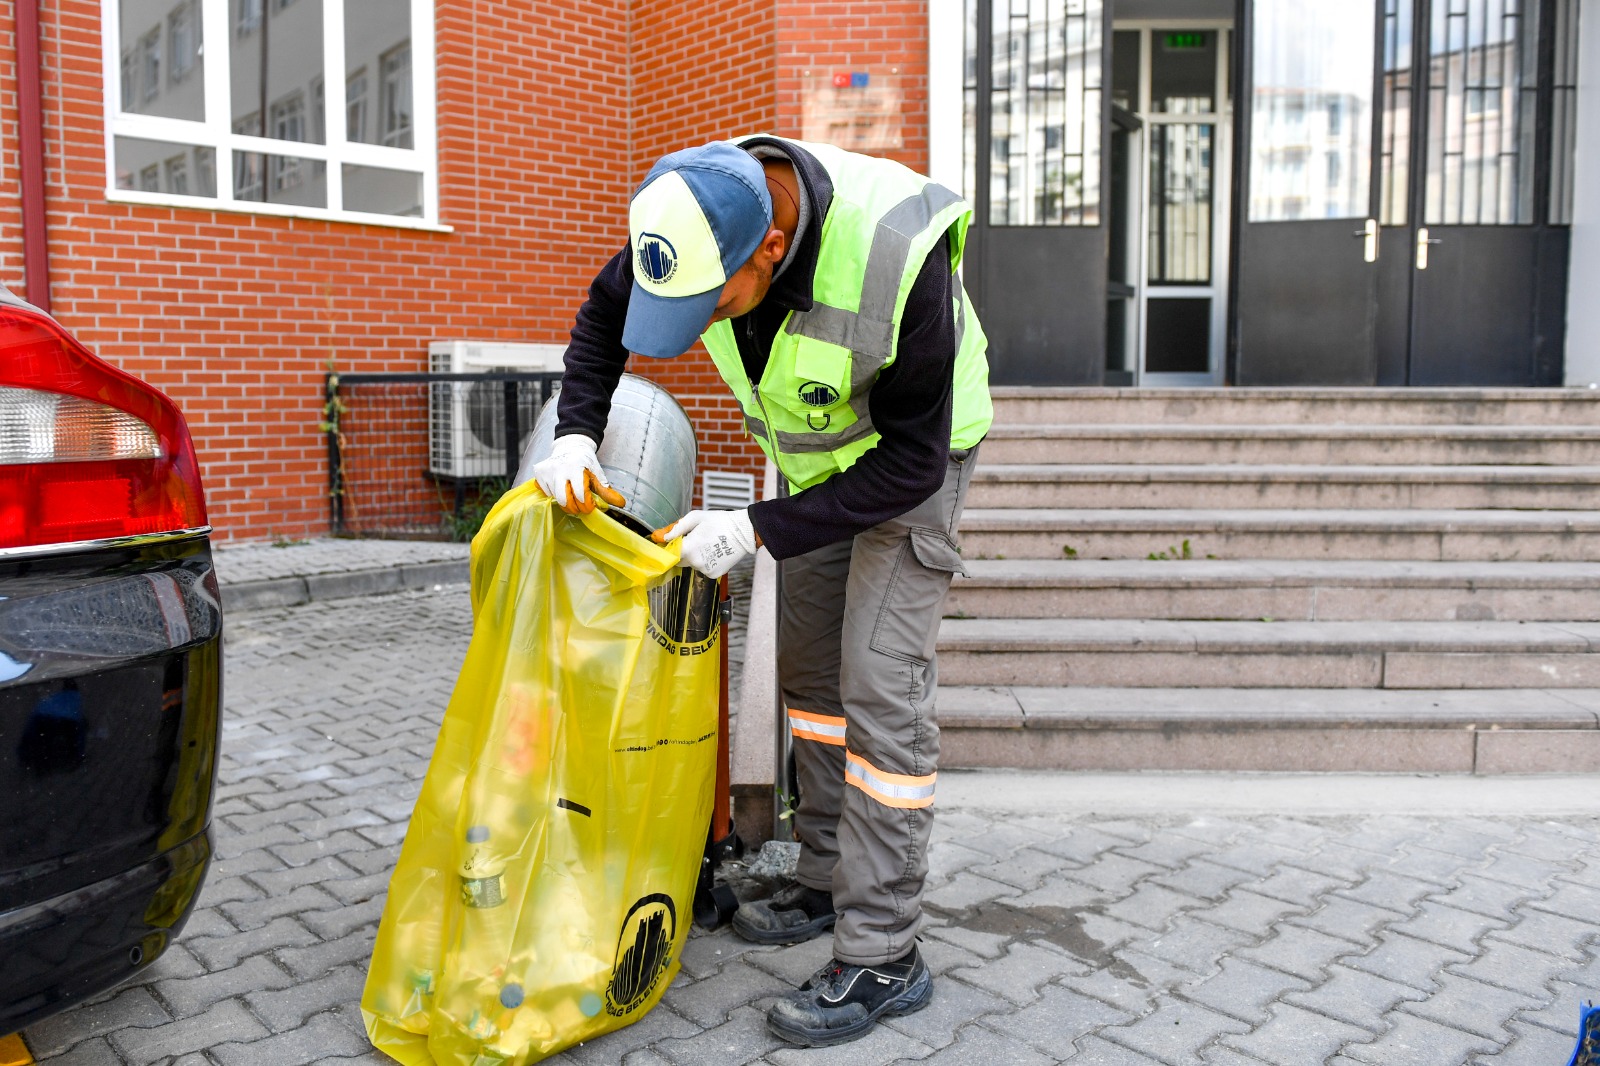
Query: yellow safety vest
point(809, 412)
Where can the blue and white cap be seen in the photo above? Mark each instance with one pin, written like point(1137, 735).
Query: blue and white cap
point(696, 219)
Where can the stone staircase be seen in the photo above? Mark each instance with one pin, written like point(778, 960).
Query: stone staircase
point(1280, 579)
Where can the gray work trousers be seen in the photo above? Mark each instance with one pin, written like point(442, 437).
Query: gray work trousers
point(858, 624)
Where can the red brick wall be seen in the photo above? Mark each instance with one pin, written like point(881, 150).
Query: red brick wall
point(548, 114)
point(741, 68)
point(701, 72)
point(879, 37)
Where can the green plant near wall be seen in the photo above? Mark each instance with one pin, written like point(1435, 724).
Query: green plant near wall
point(463, 525)
point(332, 414)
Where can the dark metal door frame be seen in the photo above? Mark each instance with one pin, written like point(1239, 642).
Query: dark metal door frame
point(1323, 245)
point(1552, 240)
point(1547, 320)
point(1073, 320)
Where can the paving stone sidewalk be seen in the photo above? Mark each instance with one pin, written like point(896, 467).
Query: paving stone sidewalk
point(286, 573)
point(1101, 939)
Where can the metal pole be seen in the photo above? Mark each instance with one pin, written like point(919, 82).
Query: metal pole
point(721, 813)
point(331, 419)
point(30, 146)
point(785, 791)
point(513, 433)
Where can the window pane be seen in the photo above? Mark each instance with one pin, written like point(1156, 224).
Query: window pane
point(1311, 114)
point(276, 66)
point(1045, 135)
point(1177, 335)
point(158, 166)
point(381, 191)
point(969, 105)
point(162, 72)
point(278, 179)
point(1183, 71)
point(1482, 82)
point(1564, 88)
point(1395, 147)
point(377, 64)
point(1125, 69)
point(1180, 204)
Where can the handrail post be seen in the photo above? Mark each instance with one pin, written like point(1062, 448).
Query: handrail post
point(785, 793)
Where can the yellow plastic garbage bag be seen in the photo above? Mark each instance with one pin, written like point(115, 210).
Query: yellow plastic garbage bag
point(544, 890)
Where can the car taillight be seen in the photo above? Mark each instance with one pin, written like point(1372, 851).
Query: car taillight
point(87, 452)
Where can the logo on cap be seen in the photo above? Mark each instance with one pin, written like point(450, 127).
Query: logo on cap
point(656, 258)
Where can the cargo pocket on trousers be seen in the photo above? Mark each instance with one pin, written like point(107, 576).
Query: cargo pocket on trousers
point(908, 619)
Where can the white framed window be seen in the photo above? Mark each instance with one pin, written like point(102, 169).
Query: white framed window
point(178, 175)
point(247, 16)
point(130, 75)
point(395, 102)
point(183, 43)
point(150, 64)
point(256, 88)
point(355, 106)
point(289, 118)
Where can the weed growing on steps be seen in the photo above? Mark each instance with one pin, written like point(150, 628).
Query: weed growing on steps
point(1173, 552)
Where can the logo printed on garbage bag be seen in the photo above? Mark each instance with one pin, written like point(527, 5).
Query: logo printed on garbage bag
point(684, 613)
point(644, 948)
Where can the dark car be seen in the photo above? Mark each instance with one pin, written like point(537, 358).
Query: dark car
point(110, 671)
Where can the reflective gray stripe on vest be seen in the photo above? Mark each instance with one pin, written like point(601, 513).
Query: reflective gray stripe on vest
point(869, 332)
point(961, 315)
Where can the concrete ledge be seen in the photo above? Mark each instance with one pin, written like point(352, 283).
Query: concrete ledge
point(1297, 750)
point(307, 588)
point(1468, 670)
point(1548, 751)
point(751, 775)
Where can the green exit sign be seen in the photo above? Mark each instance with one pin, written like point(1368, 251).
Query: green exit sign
point(1180, 41)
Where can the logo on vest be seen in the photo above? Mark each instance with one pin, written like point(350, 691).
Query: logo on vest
point(656, 258)
point(816, 394)
point(644, 949)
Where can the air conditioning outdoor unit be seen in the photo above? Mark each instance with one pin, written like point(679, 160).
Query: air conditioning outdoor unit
point(466, 419)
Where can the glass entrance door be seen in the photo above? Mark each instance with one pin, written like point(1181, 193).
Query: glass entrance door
point(1177, 78)
point(1476, 230)
point(1405, 192)
point(1307, 285)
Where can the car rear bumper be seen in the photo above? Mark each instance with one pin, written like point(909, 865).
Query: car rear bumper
point(110, 716)
point(62, 950)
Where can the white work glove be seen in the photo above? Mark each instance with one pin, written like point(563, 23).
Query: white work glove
point(713, 541)
point(572, 475)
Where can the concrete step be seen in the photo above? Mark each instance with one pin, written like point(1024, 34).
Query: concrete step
point(1423, 731)
point(1141, 653)
point(1297, 406)
point(1303, 444)
point(1286, 487)
point(1285, 590)
point(1054, 533)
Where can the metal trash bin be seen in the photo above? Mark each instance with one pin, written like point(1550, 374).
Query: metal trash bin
point(649, 454)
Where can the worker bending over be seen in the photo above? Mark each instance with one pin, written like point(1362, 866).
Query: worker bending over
point(823, 284)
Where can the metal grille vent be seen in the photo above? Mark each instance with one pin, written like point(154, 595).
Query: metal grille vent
point(724, 490)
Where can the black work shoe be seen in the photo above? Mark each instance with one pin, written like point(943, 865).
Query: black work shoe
point(795, 913)
point(842, 1002)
